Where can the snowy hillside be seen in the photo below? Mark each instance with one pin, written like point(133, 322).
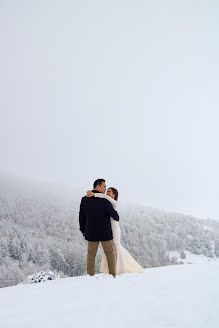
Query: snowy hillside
point(179, 296)
point(39, 230)
point(190, 258)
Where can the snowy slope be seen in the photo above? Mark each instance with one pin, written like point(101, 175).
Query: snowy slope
point(193, 258)
point(185, 296)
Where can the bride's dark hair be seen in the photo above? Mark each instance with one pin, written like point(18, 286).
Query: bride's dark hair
point(115, 192)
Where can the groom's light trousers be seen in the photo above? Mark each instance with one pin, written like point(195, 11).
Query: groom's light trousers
point(110, 255)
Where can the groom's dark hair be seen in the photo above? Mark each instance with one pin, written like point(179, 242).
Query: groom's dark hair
point(98, 182)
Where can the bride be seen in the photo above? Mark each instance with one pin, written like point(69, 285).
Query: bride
point(125, 263)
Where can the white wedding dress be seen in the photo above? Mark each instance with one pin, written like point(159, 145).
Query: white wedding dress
point(125, 263)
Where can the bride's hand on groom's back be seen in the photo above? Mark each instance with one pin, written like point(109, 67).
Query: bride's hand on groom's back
point(90, 193)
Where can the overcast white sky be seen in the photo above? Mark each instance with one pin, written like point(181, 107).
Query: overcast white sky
point(124, 90)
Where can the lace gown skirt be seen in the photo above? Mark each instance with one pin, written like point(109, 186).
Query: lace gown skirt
point(125, 263)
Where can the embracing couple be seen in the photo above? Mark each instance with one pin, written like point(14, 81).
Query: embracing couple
point(98, 222)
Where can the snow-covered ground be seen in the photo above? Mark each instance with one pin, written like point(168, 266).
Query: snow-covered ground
point(173, 296)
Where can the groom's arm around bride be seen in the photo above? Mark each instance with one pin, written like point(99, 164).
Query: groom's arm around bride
point(94, 218)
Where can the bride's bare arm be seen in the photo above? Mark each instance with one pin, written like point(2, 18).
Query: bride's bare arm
point(112, 201)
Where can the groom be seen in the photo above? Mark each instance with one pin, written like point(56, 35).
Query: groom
point(95, 225)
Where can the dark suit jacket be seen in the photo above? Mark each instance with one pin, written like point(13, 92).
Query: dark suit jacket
point(94, 218)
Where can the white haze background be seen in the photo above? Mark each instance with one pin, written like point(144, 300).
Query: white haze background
point(124, 90)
